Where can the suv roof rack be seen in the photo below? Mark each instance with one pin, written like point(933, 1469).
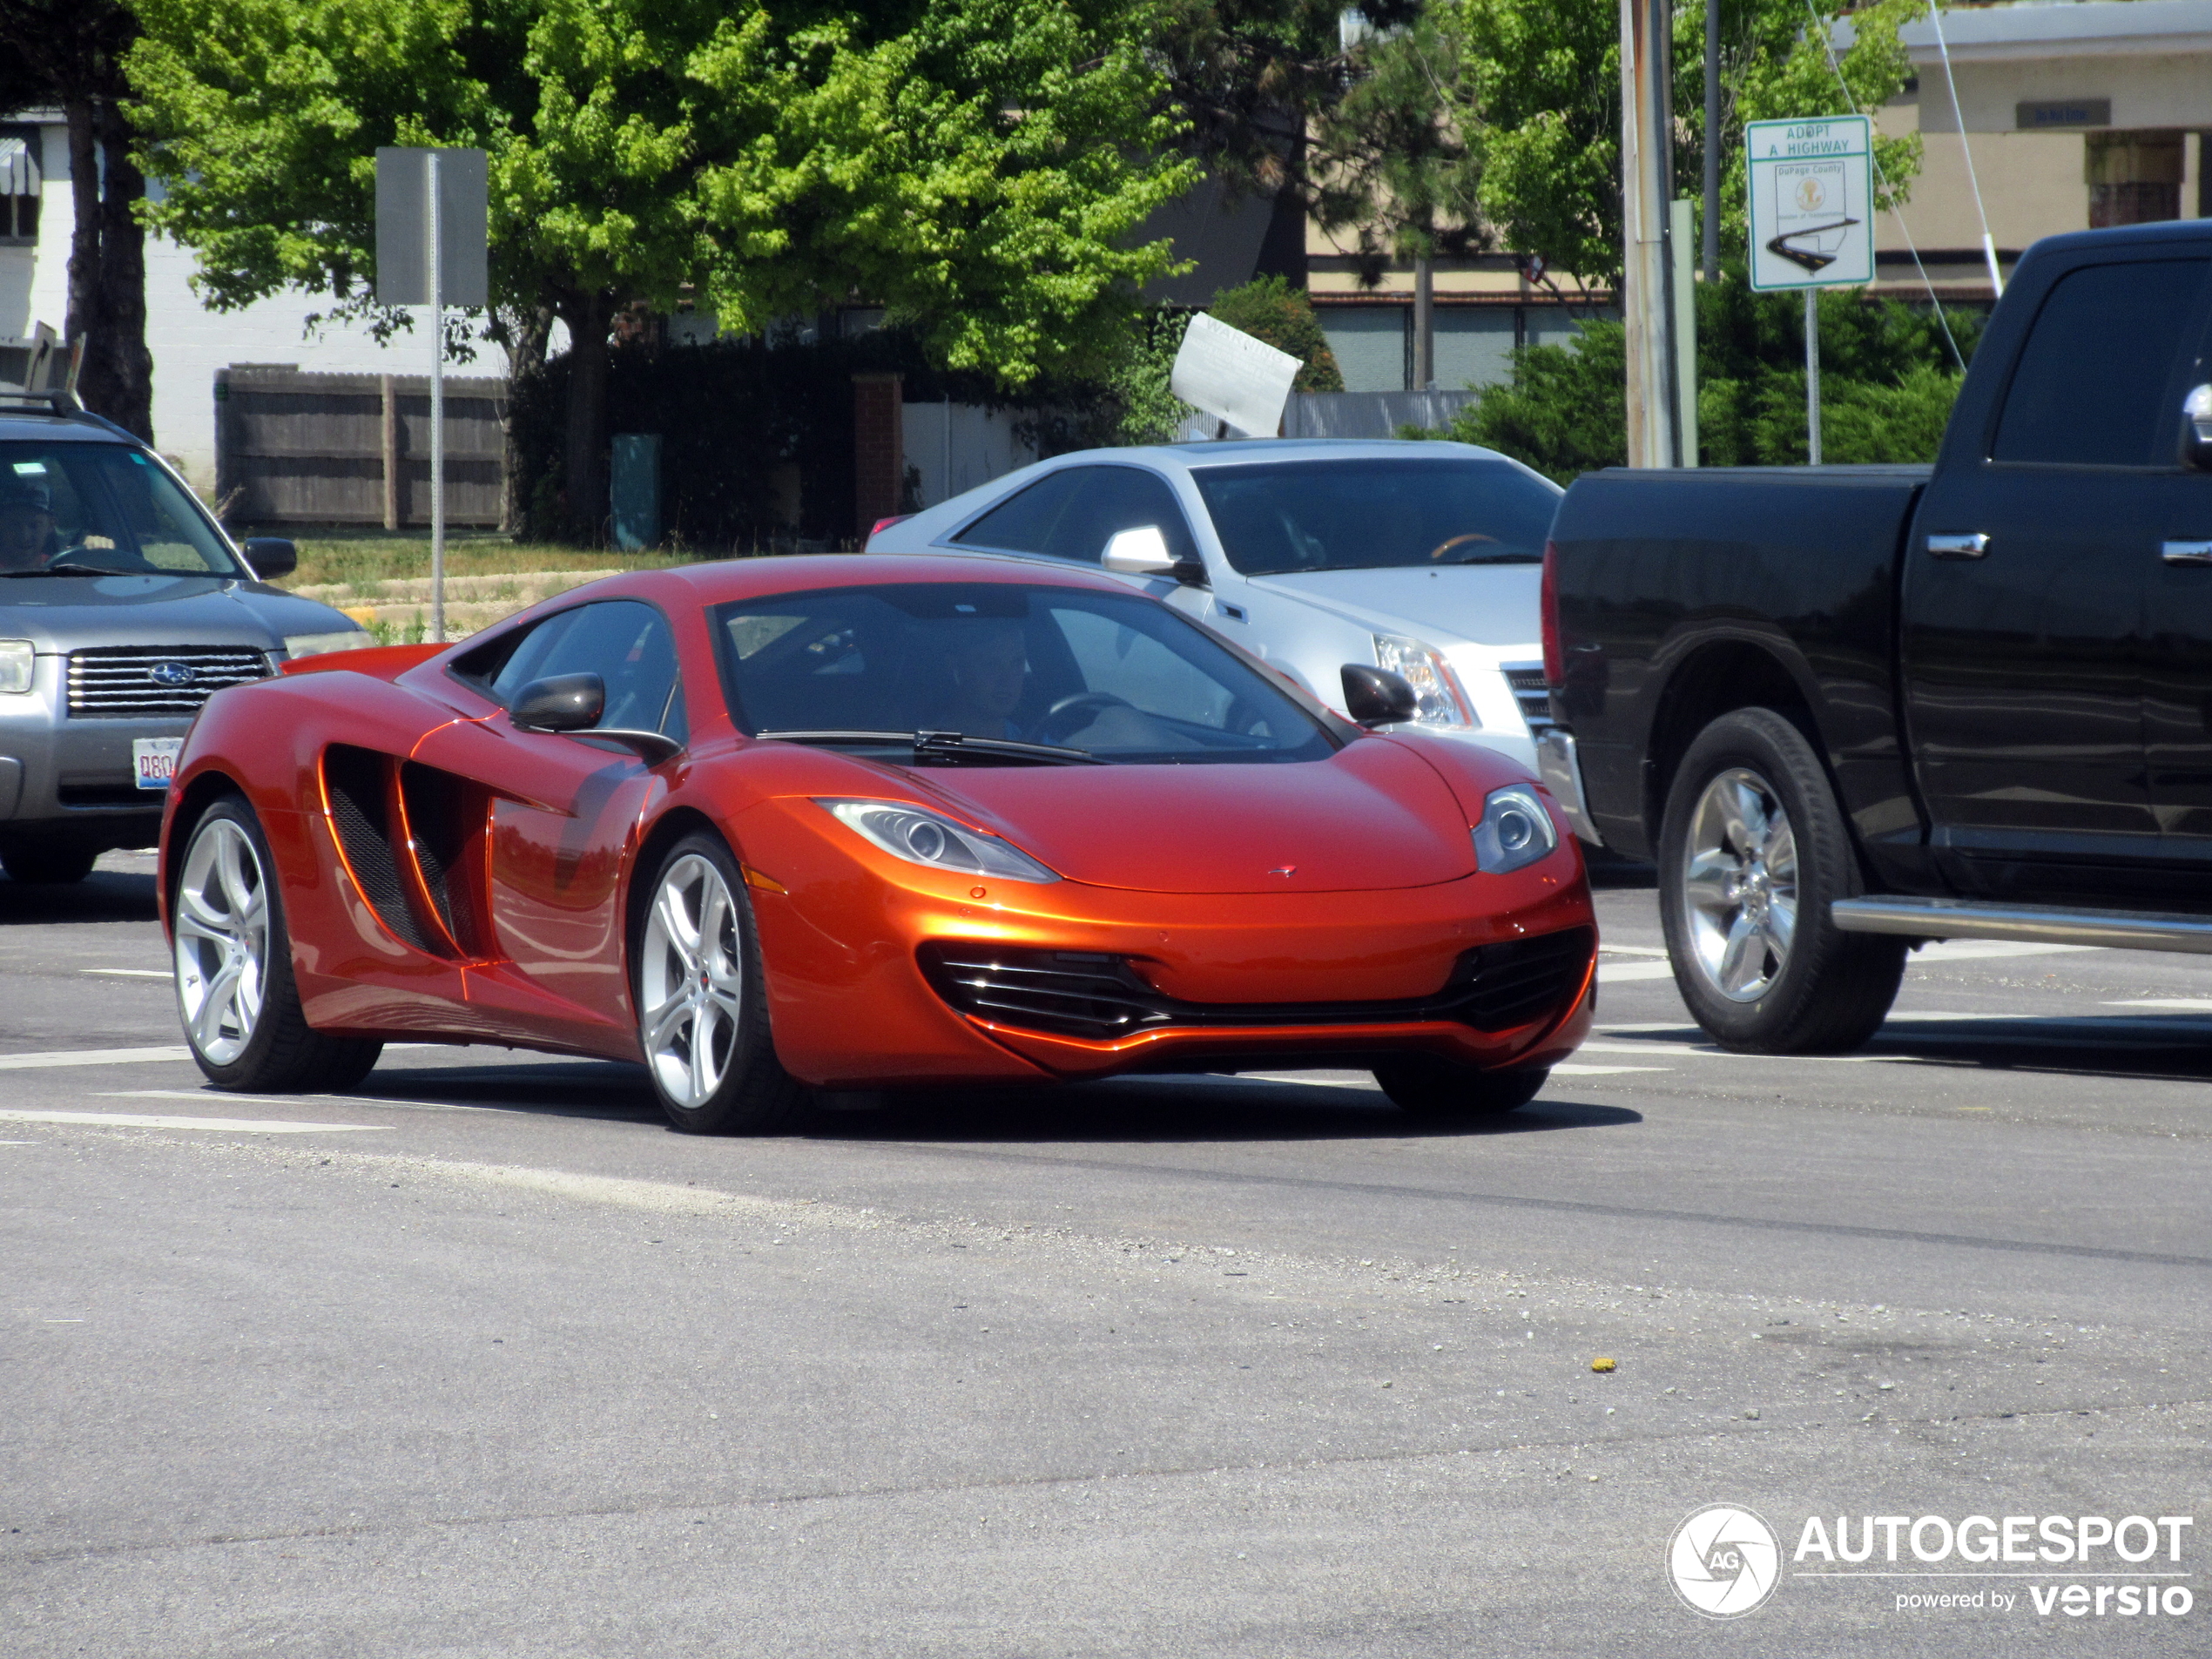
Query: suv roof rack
point(57, 402)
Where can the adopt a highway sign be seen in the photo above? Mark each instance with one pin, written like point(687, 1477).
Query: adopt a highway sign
point(1811, 202)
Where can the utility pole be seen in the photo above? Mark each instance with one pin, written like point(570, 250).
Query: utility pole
point(1647, 184)
point(1424, 324)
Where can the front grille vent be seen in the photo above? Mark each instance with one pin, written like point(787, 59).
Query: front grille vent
point(156, 682)
point(1084, 994)
point(1533, 694)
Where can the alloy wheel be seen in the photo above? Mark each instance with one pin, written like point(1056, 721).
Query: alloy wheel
point(1739, 884)
point(222, 927)
point(691, 982)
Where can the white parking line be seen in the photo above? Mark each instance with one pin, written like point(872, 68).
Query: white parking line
point(2190, 1004)
point(1615, 972)
point(89, 1057)
point(131, 973)
point(135, 1120)
point(1570, 1069)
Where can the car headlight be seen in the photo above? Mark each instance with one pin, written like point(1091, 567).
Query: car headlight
point(1442, 702)
point(1516, 830)
point(298, 645)
point(924, 838)
point(15, 664)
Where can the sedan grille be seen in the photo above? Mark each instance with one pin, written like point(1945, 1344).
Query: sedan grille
point(1087, 993)
point(156, 682)
point(1533, 694)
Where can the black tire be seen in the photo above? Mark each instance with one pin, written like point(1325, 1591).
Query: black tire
point(280, 1053)
point(1817, 990)
point(752, 1094)
point(1441, 1091)
point(48, 861)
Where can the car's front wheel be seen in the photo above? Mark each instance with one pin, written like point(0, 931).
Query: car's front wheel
point(235, 991)
point(702, 1001)
point(47, 860)
point(1753, 851)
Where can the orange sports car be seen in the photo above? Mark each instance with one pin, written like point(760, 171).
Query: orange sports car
point(856, 823)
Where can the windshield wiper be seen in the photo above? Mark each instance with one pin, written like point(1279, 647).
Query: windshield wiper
point(69, 569)
point(947, 745)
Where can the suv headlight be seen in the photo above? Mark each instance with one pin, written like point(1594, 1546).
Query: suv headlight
point(1516, 830)
point(298, 645)
point(937, 843)
point(1442, 701)
point(15, 664)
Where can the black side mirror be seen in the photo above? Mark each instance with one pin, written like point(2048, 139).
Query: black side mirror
point(1377, 697)
point(560, 703)
point(571, 705)
point(270, 556)
point(2196, 431)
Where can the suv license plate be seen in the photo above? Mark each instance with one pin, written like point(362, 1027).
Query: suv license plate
point(155, 760)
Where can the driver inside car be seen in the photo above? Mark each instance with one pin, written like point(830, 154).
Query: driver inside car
point(26, 526)
point(987, 665)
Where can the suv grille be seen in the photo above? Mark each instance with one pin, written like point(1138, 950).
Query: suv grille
point(156, 682)
point(1534, 697)
point(1086, 993)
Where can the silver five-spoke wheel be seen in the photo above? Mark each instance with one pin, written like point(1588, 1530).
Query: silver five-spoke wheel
point(222, 928)
point(1739, 889)
point(692, 974)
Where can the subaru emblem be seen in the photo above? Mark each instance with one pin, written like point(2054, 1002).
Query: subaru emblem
point(171, 674)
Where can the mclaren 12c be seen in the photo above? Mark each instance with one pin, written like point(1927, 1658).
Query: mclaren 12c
point(774, 825)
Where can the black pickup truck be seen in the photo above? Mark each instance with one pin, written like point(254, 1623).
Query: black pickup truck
point(1849, 708)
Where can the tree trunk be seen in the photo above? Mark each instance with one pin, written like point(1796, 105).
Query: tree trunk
point(523, 332)
point(118, 369)
point(84, 235)
point(588, 315)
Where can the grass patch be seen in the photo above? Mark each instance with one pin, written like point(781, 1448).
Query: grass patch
point(364, 557)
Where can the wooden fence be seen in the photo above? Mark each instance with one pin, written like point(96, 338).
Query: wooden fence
point(294, 449)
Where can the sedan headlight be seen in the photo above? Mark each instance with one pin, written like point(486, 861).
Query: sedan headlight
point(298, 645)
point(15, 664)
point(1442, 702)
point(1516, 830)
point(924, 838)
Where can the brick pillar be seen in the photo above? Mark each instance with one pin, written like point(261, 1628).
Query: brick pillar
point(879, 450)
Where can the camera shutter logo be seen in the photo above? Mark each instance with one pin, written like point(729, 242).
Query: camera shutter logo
point(1723, 1561)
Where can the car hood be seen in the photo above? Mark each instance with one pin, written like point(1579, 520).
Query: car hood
point(1373, 816)
point(1482, 604)
point(63, 613)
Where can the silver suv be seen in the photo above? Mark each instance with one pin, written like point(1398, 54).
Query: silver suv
point(123, 608)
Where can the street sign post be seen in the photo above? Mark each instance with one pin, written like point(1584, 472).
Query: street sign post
point(432, 237)
point(1812, 202)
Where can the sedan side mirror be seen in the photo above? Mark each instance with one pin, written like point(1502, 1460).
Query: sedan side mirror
point(571, 705)
point(2196, 431)
point(1377, 697)
point(270, 556)
point(1144, 551)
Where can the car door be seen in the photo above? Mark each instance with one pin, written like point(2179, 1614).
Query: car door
point(2026, 578)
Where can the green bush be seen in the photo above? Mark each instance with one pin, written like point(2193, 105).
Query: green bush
point(1269, 308)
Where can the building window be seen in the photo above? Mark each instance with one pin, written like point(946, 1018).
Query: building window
point(19, 185)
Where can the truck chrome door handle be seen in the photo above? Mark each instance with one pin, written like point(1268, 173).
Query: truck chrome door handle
point(1958, 547)
point(2186, 552)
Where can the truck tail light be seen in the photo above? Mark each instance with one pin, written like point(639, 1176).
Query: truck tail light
point(1555, 650)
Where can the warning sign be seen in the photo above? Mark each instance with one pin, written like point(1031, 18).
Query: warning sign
point(1812, 202)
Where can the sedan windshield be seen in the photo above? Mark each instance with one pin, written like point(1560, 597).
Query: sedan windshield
point(1362, 515)
point(101, 509)
point(1030, 675)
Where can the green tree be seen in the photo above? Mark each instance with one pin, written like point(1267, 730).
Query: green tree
point(975, 165)
point(1269, 308)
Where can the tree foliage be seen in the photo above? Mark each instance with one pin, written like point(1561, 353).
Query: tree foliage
point(1269, 308)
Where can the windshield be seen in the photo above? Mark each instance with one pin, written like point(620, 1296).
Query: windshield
point(1275, 520)
point(1111, 676)
point(100, 507)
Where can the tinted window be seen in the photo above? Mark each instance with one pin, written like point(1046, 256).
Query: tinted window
point(625, 642)
point(1073, 513)
point(99, 506)
point(1117, 675)
point(1274, 519)
point(2099, 381)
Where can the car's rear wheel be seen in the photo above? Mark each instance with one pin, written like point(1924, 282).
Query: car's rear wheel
point(54, 861)
point(1752, 853)
point(702, 1001)
point(235, 991)
point(1437, 1089)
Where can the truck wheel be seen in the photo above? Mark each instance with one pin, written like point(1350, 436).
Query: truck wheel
point(1752, 851)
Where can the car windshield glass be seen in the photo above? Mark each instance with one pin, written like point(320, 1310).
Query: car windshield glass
point(1275, 519)
point(101, 507)
point(1114, 676)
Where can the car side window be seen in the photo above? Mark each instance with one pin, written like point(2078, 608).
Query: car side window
point(625, 642)
point(2100, 379)
point(1073, 513)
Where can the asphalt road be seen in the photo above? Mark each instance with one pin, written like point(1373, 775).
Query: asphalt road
point(481, 1360)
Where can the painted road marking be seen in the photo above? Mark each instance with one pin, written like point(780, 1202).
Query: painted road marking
point(131, 973)
point(1632, 950)
point(1615, 972)
point(1570, 1069)
point(89, 1057)
point(2189, 1004)
point(136, 1120)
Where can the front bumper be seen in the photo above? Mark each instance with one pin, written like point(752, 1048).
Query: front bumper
point(1561, 767)
point(74, 778)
